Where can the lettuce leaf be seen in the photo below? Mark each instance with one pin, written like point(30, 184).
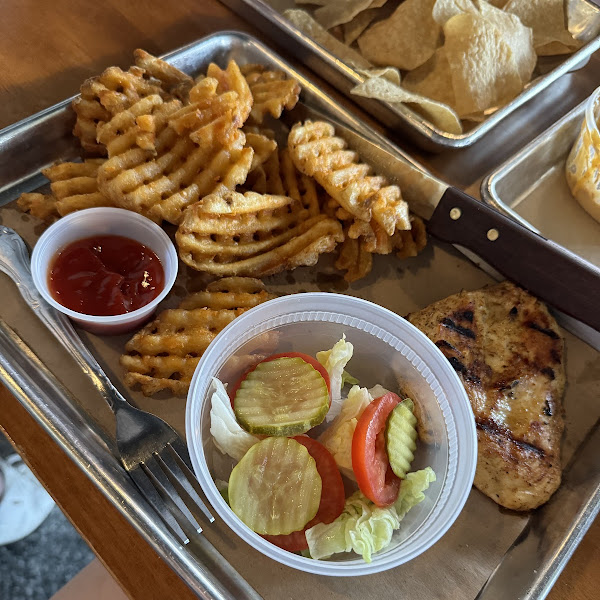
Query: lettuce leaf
point(411, 490)
point(335, 361)
point(229, 436)
point(364, 527)
point(337, 438)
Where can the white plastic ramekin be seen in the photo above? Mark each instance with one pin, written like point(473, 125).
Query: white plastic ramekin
point(387, 350)
point(103, 221)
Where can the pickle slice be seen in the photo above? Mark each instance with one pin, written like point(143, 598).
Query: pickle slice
point(285, 396)
point(401, 437)
point(275, 489)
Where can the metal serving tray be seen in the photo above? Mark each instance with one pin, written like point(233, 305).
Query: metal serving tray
point(488, 554)
point(532, 189)
point(266, 15)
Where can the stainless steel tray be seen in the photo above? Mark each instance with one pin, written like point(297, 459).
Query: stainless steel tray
point(268, 18)
point(532, 189)
point(489, 553)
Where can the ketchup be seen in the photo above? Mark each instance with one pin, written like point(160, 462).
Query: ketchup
point(105, 275)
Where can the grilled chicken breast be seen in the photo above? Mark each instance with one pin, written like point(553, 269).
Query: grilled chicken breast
point(508, 352)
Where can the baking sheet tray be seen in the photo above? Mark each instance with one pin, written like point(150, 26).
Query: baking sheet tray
point(531, 188)
point(266, 15)
point(485, 539)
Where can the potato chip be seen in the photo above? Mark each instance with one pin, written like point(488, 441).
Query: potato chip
point(548, 21)
point(517, 36)
point(484, 72)
point(307, 25)
point(433, 79)
point(337, 12)
point(354, 28)
point(440, 115)
point(405, 40)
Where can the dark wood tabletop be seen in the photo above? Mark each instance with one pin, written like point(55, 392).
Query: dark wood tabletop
point(46, 50)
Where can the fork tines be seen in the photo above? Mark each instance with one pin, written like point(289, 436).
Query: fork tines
point(171, 488)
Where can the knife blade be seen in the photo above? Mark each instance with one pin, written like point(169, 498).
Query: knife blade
point(548, 270)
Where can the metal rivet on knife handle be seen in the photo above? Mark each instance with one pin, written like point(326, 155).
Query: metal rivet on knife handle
point(493, 235)
point(455, 213)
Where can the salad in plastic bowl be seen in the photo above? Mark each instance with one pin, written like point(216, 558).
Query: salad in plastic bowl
point(329, 438)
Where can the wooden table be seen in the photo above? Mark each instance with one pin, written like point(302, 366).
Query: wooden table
point(46, 51)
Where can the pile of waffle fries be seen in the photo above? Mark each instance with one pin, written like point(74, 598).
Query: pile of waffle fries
point(202, 155)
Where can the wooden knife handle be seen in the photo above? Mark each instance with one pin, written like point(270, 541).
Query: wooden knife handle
point(546, 269)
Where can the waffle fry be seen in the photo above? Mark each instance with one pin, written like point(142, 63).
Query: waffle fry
point(196, 148)
point(41, 206)
point(318, 152)
point(279, 177)
point(410, 243)
point(262, 144)
point(354, 259)
point(164, 354)
point(228, 233)
point(74, 187)
point(272, 91)
point(116, 90)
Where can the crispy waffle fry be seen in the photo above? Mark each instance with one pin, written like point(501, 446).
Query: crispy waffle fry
point(228, 233)
point(279, 177)
point(164, 354)
point(318, 152)
point(196, 148)
point(261, 143)
point(354, 259)
point(272, 91)
point(74, 187)
point(41, 206)
point(116, 90)
point(410, 243)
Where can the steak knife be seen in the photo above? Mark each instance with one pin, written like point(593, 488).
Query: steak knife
point(548, 270)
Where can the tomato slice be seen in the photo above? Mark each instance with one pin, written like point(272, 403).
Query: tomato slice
point(370, 463)
point(305, 357)
point(332, 496)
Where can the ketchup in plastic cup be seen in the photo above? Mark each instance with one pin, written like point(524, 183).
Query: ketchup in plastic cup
point(129, 241)
point(105, 275)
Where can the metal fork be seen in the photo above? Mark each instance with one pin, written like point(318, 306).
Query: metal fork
point(150, 450)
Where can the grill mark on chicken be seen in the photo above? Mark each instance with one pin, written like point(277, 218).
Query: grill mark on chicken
point(443, 344)
point(494, 428)
point(506, 349)
point(544, 330)
point(446, 322)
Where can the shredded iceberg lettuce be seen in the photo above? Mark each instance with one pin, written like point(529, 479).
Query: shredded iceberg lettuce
point(228, 435)
point(334, 361)
point(364, 527)
point(411, 490)
point(337, 438)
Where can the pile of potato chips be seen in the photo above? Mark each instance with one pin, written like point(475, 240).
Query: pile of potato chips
point(452, 61)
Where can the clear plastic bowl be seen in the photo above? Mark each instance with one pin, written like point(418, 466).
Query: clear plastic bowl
point(387, 350)
point(103, 221)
